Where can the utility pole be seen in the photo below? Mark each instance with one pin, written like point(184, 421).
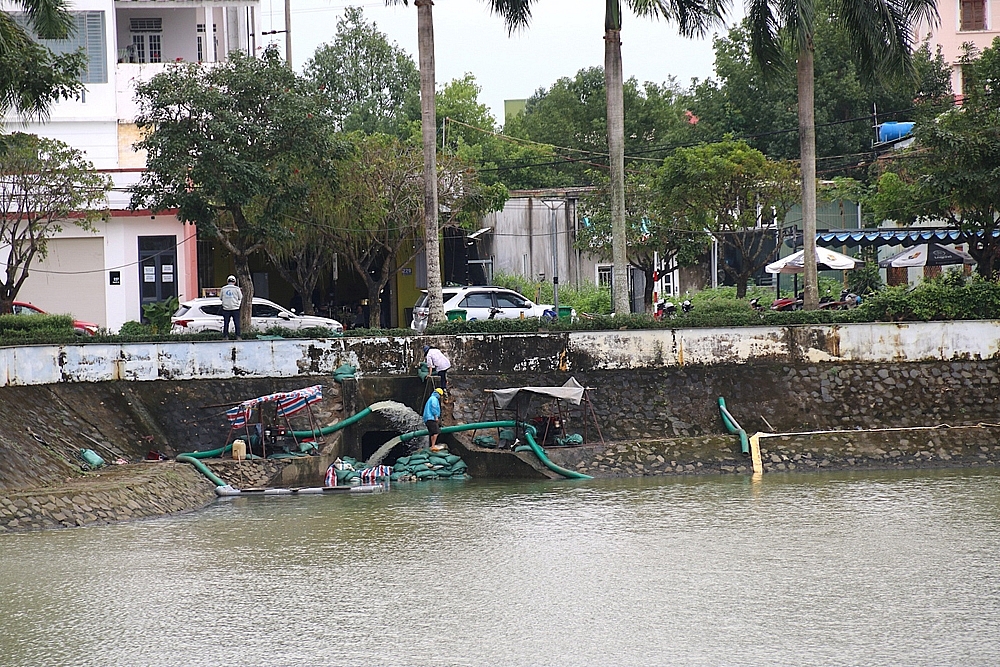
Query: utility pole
point(554, 205)
point(288, 33)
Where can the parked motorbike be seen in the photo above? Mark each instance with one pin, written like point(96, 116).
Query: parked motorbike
point(847, 300)
point(664, 309)
point(687, 306)
point(788, 303)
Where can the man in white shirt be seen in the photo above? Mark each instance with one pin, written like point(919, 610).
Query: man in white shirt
point(437, 362)
point(232, 298)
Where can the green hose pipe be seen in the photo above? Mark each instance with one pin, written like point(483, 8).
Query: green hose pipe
point(210, 454)
point(529, 433)
point(734, 427)
point(327, 430)
point(200, 467)
point(540, 453)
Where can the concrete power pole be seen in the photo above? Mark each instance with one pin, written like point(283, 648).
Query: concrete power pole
point(288, 33)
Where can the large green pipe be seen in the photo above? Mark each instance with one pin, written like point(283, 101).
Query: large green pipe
point(201, 467)
point(327, 430)
point(734, 427)
point(529, 433)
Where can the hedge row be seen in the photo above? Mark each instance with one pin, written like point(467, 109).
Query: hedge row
point(945, 298)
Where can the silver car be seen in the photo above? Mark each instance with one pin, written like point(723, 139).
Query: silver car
point(481, 303)
point(205, 314)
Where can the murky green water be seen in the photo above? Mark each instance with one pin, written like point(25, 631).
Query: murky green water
point(867, 569)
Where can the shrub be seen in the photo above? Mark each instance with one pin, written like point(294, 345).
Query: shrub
point(133, 328)
point(159, 314)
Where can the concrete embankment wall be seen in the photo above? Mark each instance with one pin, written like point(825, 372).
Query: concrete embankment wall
point(654, 394)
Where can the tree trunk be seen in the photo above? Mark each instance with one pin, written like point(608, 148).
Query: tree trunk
point(428, 125)
point(647, 292)
point(807, 149)
point(616, 159)
point(244, 279)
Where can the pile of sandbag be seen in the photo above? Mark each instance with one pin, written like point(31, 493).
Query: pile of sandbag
point(425, 464)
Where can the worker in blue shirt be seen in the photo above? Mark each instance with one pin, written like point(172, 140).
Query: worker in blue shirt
point(432, 417)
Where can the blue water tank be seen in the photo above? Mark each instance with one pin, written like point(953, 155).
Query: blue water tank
point(893, 131)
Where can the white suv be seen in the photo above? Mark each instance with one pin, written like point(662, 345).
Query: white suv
point(481, 303)
point(205, 314)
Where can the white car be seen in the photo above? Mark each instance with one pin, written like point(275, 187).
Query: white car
point(481, 303)
point(205, 314)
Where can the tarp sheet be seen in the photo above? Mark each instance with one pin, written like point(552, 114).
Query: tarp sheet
point(572, 391)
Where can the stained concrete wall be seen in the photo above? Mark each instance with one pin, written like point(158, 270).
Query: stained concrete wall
point(578, 352)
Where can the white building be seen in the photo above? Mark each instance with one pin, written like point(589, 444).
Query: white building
point(135, 257)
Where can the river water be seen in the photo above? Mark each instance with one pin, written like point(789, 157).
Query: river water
point(820, 569)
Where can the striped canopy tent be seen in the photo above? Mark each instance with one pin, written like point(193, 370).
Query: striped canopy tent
point(901, 237)
point(248, 415)
point(927, 254)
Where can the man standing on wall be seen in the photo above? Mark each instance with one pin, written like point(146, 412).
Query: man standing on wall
point(232, 299)
point(437, 363)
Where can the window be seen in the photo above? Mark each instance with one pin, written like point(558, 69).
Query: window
point(87, 33)
point(139, 48)
point(155, 55)
point(145, 25)
point(604, 275)
point(264, 310)
point(510, 300)
point(201, 42)
point(146, 40)
point(477, 300)
point(973, 14)
point(212, 309)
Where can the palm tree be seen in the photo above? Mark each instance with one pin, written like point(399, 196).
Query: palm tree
point(31, 77)
point(428, 126)
point(693, 18)
point(881, 33)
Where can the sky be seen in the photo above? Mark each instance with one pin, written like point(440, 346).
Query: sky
point(564, 36)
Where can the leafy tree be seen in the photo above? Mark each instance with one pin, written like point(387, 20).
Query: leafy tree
point(374, 84)
point(471, 133)
point(45, 184)
point(731, 189)
point(693, 17)
point(880, 34)
point(226, 147)
point(376, 216)
point(307, 248)
point(950, 172)
point(655, 239)
point(740, 102)
point(572, 113)
point(32, 78)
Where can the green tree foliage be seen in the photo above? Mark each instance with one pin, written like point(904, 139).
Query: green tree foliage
point(656, 240)
point(375, 219)
point(572, 114)
point(373, 84)
point(226, 146)
point(44, 183)
point(731, 189)
point(783, 35)
point(32, 78)
point(950, 173)
point(471, 134)
point(741, 102)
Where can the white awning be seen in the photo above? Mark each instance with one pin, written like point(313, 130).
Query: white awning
point(572, 391)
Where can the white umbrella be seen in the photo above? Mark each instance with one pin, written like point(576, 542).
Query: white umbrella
point(928, 254)
point(826, 260)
